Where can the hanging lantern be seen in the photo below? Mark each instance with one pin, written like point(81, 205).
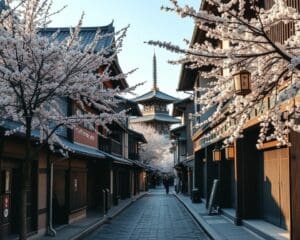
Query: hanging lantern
point(241, 81)
point(216, 154)
point(229, 152)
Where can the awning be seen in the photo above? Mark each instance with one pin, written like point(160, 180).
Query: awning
point(178, 166)
point(82, 150)
point(185, 163)
point(117, 159)
point(76, 148)
point(139, 164)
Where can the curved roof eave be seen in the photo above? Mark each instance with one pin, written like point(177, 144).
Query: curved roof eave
point(158, 118)
point(155, 95)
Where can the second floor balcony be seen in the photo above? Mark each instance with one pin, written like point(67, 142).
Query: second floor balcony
point(110, 145)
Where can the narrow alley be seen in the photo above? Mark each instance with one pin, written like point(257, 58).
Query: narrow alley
point(155, 216)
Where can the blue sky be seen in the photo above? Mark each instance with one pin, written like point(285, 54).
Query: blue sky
point(147, 22)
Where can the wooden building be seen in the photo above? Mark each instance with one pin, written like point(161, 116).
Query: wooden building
point(256, 187)
point(183, 146)
point(94, 163)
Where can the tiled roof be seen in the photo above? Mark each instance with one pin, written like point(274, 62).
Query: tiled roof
point(83, 150)
point(178, 129)
point(161, 117)
point(155, 94)
point(139, 136)
point(187, 78)
point(12, 125)
point(179, 133)
point(86, 34)
point(180, 105)
point(117, 159)
point(76, 148)
point(183, 101)
point(138, 163)
point(130, 105)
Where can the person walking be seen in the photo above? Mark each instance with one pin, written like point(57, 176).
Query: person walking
point(166, 183)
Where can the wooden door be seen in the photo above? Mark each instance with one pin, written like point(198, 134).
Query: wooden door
point(284, 189)
point(11, 194)
point(124, 179)
point(59, 197)
point(94, 191)
point(271, 187)
point(276, 194)
point(78, 189)
point(204, 180)
point(232, 184)
point(10, 189)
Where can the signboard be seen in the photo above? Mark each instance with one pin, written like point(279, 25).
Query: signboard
point(75, 185)
point(5, 206)
point(212, 208)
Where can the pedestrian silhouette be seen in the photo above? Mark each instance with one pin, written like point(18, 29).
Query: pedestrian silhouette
point(166, 183)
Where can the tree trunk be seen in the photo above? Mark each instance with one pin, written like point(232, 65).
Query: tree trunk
point(25, 181)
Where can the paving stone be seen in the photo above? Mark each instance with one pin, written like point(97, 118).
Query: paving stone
point(225, 228)
point(155, 216)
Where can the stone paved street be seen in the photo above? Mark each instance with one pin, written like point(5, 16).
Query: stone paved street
point(155, 216)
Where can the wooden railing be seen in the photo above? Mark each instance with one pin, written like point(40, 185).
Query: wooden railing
point(116, 147)
point(110, 146)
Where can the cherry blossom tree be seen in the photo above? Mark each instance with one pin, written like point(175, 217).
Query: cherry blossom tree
point(37, 72)
point(155, 152)
point(261, 37)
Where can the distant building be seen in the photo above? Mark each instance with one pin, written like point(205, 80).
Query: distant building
point(155, 111)
point(182, 145)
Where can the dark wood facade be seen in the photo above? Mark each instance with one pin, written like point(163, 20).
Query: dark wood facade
point(295, 184)
point(10, 167)
point(77, 184)
point(93, 164)
point(69, 191)
point(183, 146)
point(257, 184)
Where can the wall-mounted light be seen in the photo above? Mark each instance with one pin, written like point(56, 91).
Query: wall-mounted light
point(229, 152)
point(216, 154)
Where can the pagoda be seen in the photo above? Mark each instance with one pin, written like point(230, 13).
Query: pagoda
point(155, 111)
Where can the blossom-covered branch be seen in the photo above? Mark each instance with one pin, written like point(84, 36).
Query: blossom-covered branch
point(48, 82)
point(37, 71)
point(244, 35)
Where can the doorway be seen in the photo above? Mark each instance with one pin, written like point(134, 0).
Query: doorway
point(60, 214)
point(276, 192)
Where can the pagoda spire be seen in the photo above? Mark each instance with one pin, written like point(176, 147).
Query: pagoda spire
point(154, 73)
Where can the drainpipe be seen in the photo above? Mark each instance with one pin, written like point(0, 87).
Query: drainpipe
point(50, 230)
